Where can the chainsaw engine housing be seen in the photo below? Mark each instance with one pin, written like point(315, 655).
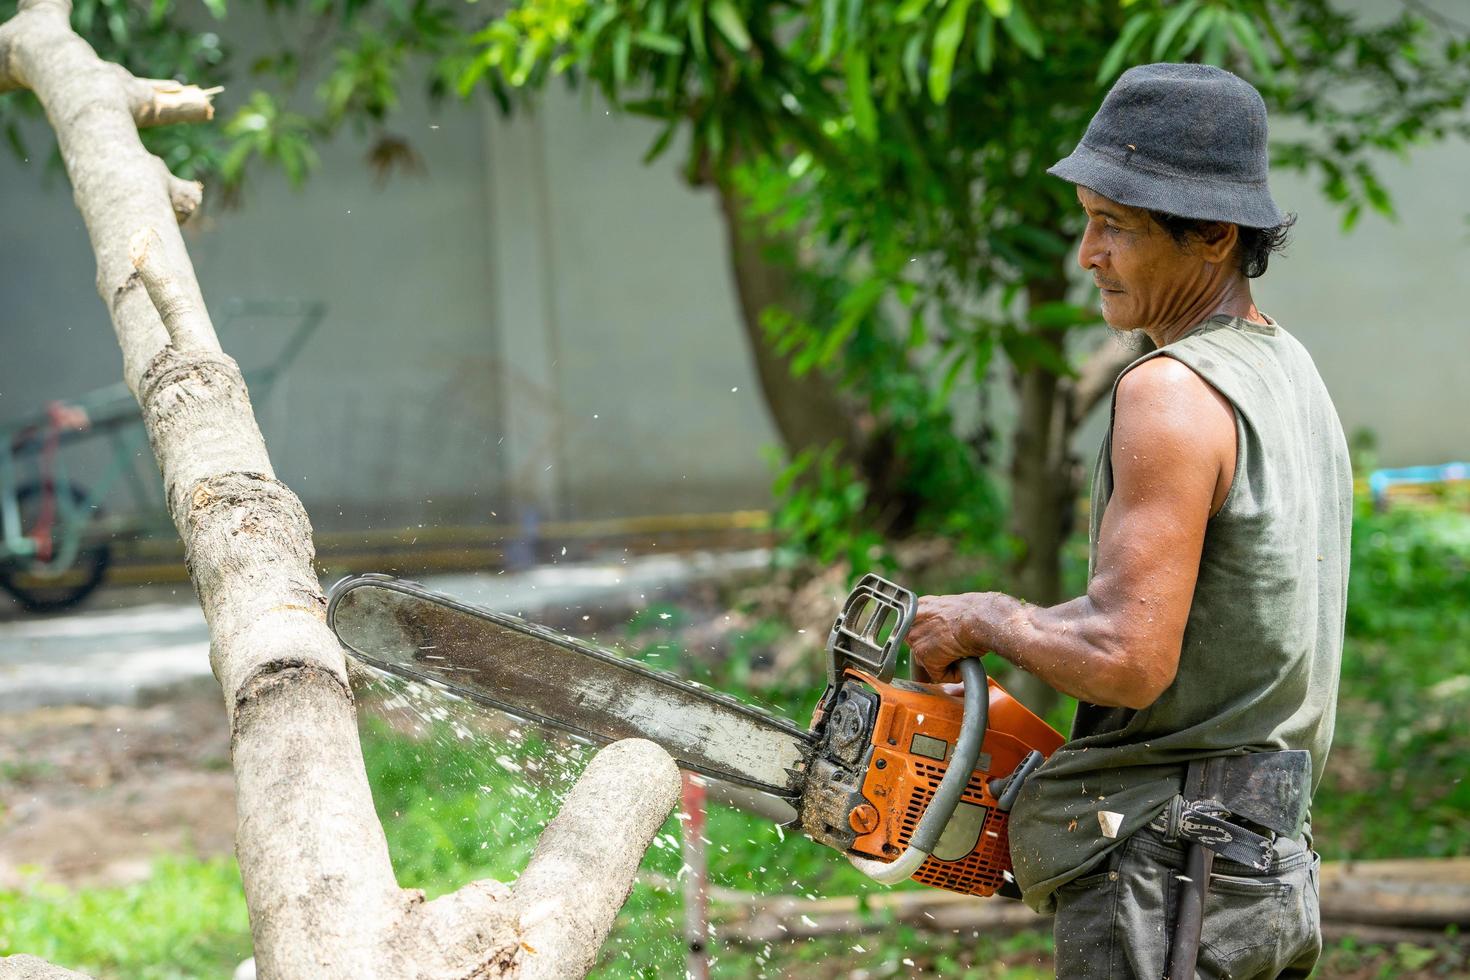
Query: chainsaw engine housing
point(883, 748)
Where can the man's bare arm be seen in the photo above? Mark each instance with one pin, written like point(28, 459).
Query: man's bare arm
point(1173, 459)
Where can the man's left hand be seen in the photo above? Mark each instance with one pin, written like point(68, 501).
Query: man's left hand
point(939, 637)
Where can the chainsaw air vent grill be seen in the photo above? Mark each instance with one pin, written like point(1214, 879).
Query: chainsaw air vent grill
point(980, 872)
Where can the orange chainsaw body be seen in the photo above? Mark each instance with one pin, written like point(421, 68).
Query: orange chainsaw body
point(913, 731)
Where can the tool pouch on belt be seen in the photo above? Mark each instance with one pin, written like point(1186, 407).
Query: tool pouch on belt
point(1238, 805)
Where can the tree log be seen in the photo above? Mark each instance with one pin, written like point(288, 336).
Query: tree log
point(30, 968)
point(319, 886)
point(1407, 900)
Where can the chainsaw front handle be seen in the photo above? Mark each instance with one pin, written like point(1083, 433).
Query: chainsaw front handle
point(951, 787)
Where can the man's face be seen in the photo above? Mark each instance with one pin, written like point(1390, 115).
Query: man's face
point(1148, 280)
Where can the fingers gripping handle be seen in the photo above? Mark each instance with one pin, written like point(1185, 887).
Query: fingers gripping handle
point(951, 787)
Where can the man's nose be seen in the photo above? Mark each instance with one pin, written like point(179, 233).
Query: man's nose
point(1090, 254)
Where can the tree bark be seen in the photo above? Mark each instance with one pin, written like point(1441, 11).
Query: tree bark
point(808, 412)
point(1046, 476)
point(321, 892)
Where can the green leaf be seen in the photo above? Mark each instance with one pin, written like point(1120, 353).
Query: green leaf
point(622, 42)
point(1041, 240)
point(696, 31)
point(1170, 27)
point(233, 163)
point(17, 143)
point(913, 50)
point(854, 22)
point(1198, 27)
point(909, 11)
point(1023, 32)
point(1113, 61)
point(662, 143)
point(947, 383)
point(947, 37)
point(918, 330)
point(216, 7)
point(999, 8)
point(117, 26)
point(1058, 315)
point(860, 98)
point(662, 43)
point(1027, 350)
point(1374, 191)
point(852, 309)
point(828, 42)
point(594, 27)
point(730, 24)
point(985, 42)
point(1245, 32)
point(1215, 41)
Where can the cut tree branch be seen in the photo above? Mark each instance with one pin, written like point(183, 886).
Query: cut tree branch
point(184, 195)
point(319, 885)
point(163, 101)
point(188, 326)
point(584, 864)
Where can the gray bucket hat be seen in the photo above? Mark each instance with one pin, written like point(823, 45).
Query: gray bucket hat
point(1189, 140)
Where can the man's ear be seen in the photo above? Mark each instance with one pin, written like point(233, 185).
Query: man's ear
point(1216, 241)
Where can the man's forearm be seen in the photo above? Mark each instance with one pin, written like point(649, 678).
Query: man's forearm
point(1073, 647)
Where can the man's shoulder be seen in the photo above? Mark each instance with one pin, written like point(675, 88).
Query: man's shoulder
point(1164, 383)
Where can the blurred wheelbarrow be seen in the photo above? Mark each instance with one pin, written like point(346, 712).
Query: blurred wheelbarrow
point(55, 540)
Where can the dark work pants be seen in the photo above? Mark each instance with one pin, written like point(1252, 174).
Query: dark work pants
point(1118, 922)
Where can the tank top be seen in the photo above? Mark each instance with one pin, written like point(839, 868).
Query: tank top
point(1258, 670)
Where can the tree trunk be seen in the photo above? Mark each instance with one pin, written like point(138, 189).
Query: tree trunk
point(1046, 476)
point(808, 412)
point(321, 892)
point(1044, 481)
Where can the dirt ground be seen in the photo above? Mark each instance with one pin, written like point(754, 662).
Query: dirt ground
point(90, 796)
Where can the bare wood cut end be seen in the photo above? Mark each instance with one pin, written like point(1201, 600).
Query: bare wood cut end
point(163, 101)
point(185, 196)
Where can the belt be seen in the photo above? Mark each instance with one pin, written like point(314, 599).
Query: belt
point(1237, 806)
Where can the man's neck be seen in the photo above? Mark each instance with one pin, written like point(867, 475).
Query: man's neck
point(1233, 298)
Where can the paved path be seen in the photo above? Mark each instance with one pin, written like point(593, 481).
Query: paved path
point(100, 655)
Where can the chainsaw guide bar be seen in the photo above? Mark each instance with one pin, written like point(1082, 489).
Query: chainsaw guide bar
point(552, 679)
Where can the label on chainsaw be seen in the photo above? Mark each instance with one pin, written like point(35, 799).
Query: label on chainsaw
point(546, 677)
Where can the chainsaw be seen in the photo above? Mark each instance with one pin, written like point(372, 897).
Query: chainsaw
point(905, 779)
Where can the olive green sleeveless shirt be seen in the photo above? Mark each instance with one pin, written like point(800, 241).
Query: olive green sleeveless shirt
point(1263, 643)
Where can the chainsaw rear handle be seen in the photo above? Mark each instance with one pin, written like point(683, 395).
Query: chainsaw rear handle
point(951, 787)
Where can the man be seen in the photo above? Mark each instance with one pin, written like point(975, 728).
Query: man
point(1212, 624)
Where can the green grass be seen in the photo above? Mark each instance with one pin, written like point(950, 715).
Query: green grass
point(186, 920)
point(463, 797)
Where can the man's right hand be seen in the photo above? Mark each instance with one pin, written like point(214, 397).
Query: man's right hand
point(939, 637)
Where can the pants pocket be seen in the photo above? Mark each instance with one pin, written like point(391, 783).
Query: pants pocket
point(1243, 923)
point(1083, 928)
point(1302, 933)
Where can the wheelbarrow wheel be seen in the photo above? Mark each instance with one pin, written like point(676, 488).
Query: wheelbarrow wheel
point(46, 591)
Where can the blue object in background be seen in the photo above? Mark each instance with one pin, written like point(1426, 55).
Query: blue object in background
point(1380, 480)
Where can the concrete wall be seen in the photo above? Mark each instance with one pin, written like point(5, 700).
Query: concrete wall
point(539, 321)
point(1385, 309)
